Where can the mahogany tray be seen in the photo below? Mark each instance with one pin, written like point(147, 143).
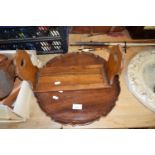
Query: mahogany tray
point(74, 88)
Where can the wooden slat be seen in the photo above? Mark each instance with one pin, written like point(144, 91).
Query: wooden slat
point(71, 78)
point(89, 69)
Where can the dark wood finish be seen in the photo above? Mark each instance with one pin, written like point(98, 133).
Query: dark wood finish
point(140, 32)
point(82, 80)
point(71, 78)
point(95, 102)
point(96, 29)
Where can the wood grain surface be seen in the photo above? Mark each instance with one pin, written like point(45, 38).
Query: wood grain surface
point(95, 102)
point(71, 78)
point(24, 67)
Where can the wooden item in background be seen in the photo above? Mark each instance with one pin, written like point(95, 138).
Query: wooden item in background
point(141, 32)
point(7, 75)
point(96, 29)
point(13, 95)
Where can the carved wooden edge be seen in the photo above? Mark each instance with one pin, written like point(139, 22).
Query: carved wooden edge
point(61, 115)
point(90, 121)
point(83, 123)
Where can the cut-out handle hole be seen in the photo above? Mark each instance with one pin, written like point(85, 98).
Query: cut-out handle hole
point(22, 63)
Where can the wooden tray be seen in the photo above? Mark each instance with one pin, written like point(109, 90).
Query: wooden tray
point(75, 88)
